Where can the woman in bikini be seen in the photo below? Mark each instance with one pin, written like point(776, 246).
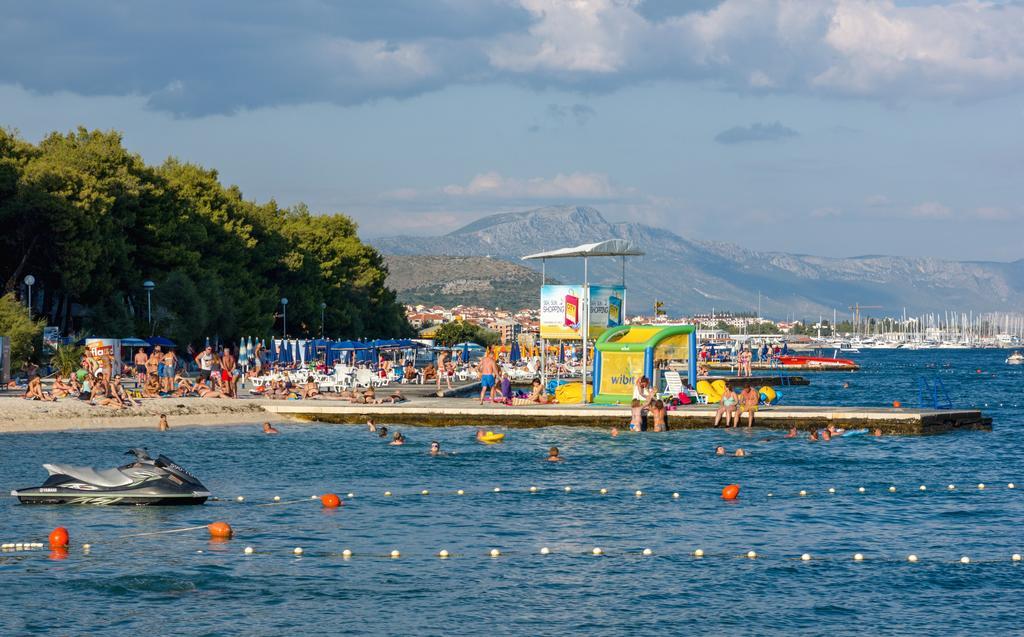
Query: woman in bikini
point(310, 389)
point(206, 392)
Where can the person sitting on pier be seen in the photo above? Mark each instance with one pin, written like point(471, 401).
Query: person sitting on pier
point(553, 455)
point(748, 404)
point(310, 389)
point(537, 395)
point(660, 416)
point(727, 408)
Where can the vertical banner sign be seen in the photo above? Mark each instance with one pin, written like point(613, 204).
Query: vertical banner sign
point(561, 307)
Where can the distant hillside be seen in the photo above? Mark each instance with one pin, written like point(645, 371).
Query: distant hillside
point(449, 281)
point(692, 275)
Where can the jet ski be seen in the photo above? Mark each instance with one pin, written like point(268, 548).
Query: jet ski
point(144, 482)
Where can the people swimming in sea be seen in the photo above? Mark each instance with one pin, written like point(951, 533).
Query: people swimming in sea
point(615, 432)
point(382, 431)
point(719, 450)
point(553, 455)
point(792, 433)
point(398, 439)
point(269, 429)
point(846, 385)
point(876, 432)
point(370, 425)
point(826, 435)
point(435, 448)
point(163, 425)
point(740, 453)
point(637, 415)
point(813, 437)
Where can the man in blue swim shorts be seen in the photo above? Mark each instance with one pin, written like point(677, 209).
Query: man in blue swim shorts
point(488, 371)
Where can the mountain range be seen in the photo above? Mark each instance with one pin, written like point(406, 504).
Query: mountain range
point(691, 275)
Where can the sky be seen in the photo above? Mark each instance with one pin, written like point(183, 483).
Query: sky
point(829, 127)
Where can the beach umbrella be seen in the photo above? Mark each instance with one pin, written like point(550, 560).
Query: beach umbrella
point(561, 352)
point(465, 353)
point(514, 355)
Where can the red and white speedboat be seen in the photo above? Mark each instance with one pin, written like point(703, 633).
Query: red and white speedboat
point(818, 362)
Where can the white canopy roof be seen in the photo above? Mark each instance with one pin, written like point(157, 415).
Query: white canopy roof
point(609, 248)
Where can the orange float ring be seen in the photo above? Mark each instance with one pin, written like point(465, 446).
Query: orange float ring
point(897, 404)
point(59, 538)
point(330, 500)
point(730, 492)
point(220, 530)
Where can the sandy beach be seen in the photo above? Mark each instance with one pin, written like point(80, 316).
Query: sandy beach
point(20, 415)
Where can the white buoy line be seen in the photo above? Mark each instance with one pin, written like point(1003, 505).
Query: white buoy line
point(637, 493)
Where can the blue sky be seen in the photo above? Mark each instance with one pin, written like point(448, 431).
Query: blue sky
point(833, 127)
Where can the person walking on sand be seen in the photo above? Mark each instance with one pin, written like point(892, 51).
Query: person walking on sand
point(488, 374)
point(229, 373)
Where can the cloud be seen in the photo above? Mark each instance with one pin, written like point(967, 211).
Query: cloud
point(876, 201)
point(194, 58)
point(992, 213)
point(826, 212)
point(576, 186)
point(931, 210)
point(756, 132)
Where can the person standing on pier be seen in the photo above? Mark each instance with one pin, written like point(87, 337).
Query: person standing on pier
point(488, 374)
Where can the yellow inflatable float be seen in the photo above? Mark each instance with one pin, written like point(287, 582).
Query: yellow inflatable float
point(490, 437)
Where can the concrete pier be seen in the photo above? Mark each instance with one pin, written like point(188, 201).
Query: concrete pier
point(442, 412)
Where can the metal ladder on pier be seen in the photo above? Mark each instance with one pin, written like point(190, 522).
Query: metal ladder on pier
point(932, 394)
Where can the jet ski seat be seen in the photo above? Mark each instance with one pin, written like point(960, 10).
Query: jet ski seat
point(98, 477)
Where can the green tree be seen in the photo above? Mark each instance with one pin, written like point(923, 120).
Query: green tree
point(25, 334)
point(461, 331)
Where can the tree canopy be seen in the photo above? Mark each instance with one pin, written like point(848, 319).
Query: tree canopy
point(455, 332)
point(91, 222)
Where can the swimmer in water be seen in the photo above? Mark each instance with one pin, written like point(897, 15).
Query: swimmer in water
point(382, 432)
point(826, 435)
point(269, 429)
point(372, 426)
point(814, 435)
point(615, 431)
point(836, 431)
point(553, 455)
point(163, 425)
point(719, 450)
point(398, 439)
point(435, 448)
point(740, 453)
point(846, 385)
point(792, 433)
point(877, 433)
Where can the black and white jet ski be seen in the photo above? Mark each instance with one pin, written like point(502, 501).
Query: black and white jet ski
point(142, 482)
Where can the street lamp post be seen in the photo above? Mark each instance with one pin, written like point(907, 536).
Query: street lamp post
point(323, 306)
point(29, 281)
point(149, 285)
point(284, 317)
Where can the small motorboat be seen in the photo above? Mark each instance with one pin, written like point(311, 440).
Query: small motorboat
point(144, 482)
point(818, 363)
point(1015, 358)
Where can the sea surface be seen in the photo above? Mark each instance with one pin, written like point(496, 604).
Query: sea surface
point(182, 583)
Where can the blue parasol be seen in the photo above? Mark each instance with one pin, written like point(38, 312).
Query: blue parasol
point(514, 355)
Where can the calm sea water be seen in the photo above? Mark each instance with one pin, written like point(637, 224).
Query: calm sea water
point(182, 583)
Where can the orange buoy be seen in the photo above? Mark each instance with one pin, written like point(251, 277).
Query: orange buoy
point(220, 530)
point(730, 492)
point(897, 404)
point(330, 500)
point(59, 538)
